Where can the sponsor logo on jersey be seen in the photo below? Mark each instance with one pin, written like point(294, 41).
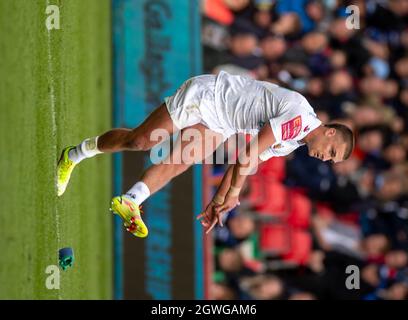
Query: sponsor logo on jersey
point(306, 129)
point(291, 128)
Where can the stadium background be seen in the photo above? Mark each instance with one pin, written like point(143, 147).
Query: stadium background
point(301, 222)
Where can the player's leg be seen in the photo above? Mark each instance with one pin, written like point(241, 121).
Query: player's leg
point(120, 139)
point(138, 139)
point(194, 144)
point(114, 140)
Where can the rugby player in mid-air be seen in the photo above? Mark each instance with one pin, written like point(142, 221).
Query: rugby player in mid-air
point(217, 107)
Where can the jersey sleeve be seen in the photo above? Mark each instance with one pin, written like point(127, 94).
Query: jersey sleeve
point(294, 121)
point(267, 154)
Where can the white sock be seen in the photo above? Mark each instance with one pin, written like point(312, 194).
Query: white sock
point(87, 149)
point(138, 193)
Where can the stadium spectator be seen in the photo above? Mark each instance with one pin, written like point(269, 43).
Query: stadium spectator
point(359, 208)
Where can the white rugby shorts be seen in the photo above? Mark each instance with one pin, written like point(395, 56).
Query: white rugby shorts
point(194, 102)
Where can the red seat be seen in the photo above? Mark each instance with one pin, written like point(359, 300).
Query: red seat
point(300, 247)
point(276, 202)
point(274, 168)
point(300, 210)
point(274, 239)
point(256, 193)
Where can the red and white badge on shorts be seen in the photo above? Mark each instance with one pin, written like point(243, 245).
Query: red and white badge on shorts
point(291, 128)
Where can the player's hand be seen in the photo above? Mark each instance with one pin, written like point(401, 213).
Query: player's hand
point(208, 216)
point(230, 203)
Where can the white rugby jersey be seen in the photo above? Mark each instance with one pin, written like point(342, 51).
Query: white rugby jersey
point(245, 105)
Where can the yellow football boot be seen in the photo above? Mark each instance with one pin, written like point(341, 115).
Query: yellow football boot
point(130, 214)
point(64, 170)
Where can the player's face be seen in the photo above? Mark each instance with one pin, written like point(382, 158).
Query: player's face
point(328, 147)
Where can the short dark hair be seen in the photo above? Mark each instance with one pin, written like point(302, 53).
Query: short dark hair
point(347, 136)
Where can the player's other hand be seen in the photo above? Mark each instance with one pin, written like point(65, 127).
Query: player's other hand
point(208, 216)
point(214, 212)
point(230, 203)
point(218, 211)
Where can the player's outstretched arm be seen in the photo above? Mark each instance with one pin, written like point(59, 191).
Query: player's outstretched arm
point(209, 213)
point(248, 160)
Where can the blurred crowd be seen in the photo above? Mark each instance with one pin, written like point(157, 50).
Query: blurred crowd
point(352, 70)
